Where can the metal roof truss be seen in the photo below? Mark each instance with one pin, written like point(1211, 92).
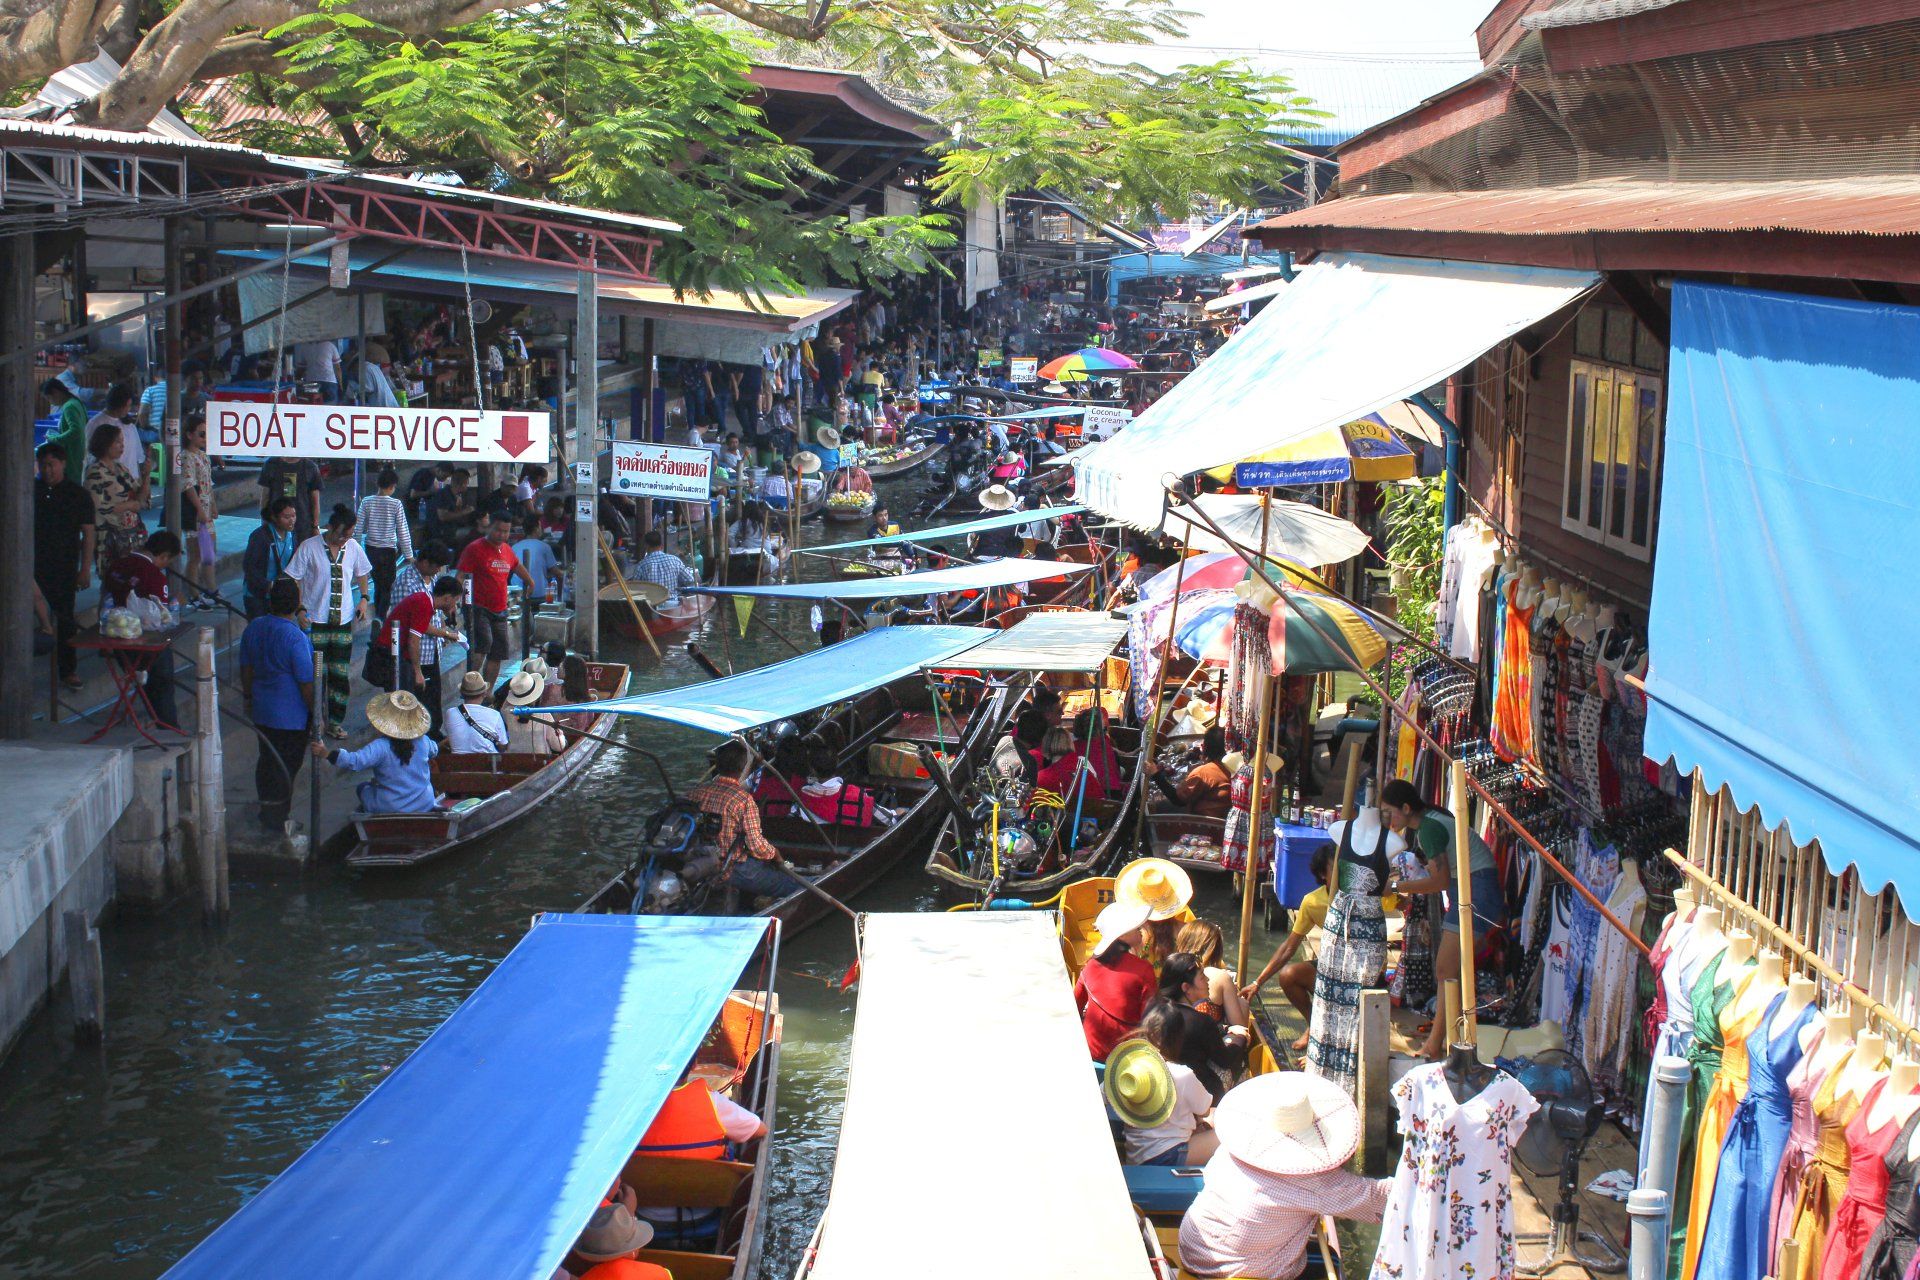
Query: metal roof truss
point(60, 177)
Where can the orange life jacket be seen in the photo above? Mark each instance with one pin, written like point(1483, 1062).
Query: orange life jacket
point(628, 1269)
point(688, 1126)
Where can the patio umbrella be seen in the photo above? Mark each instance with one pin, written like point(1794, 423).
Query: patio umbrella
point(1087, 362)
point(1207, 634)
point(1295, 531)
point(1365, 449)
point(1204, 572)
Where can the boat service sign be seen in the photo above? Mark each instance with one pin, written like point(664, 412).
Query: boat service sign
point(250, 429)
point(661, 471)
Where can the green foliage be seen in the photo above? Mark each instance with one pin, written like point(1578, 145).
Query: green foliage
point(1416, 536)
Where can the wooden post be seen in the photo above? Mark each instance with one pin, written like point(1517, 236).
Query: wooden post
point(170, 432)
point(86, 975)
point(210, 776)
point(1350, 786)
point(650, 431)
point(17, 393)
point(1464, 1031)
point(316, 725)
point(1450, 1002)
point(1259, 835)
point(1371, 1084)
point(586, 453)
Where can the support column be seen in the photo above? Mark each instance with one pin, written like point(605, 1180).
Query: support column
point(173, 246)
point(647, 428)
point(17, 666)
point(586, 451)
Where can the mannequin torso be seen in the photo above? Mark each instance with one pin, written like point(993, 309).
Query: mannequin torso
point(1897, 1102)
point(1865, 1067)
point(1800, 993)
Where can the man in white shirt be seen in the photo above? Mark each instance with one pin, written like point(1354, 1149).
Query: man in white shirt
point(474, 727)
point(320, 362)
point(119, 412)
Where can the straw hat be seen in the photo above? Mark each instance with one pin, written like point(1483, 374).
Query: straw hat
point(612, 1232)
point(997, 498)
point(1138, 1085)
point(525, 688)
point(378, 354)
point(1116, 920)
point(806, 462)
point(1234, 761)
point(537, 666)
point(1288, 1122)
point(398, 715)
point(1163, 888)
point(473, 685)
point(826, 437)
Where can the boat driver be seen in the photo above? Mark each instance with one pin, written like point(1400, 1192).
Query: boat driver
point(748, 861)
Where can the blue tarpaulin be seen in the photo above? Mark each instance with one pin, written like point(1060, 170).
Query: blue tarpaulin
point(1789, 515)
point(927, 582)
point(785, 689)
point(1001, 520)
point(491, 1145)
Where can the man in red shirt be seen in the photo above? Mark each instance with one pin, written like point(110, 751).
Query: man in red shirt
point(486, 566)
point(1113, 990)
point(144, 573)
point(398, 643)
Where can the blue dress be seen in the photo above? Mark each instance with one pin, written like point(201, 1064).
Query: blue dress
point(1737, 1242)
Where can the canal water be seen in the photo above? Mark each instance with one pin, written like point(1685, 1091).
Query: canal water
point(229, 1051)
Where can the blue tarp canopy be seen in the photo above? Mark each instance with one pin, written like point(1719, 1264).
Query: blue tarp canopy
point(1045, 411)
point(786, 689)
point(1001, 520)
point(1788, 521)
point(494, 1141)
point(927, 582)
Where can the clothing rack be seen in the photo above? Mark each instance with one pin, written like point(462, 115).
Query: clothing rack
point(1801, 954)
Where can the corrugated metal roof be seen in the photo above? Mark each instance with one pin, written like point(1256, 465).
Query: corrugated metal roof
point(70, 136)
point(1579, 13)
point(1841, 206)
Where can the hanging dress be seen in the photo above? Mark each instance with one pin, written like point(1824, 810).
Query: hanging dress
point(1708, 1001)
point(1450, 1211)
point(1729, 1085)
point(1353, 958)
point(1890, 1250)
point(1824, 1181)
point(1865, 1202)
point(1735, 1243)
point(1511, 732)
point(1803, 1133)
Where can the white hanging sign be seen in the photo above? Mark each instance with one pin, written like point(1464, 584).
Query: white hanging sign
point(251, 429)
point(661, 471)
point(1102, 421)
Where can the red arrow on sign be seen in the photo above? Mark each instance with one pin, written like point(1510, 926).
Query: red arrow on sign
point(516, 434)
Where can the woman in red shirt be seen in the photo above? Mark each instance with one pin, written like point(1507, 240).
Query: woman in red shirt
point(1061, 768)
point(1113, 990)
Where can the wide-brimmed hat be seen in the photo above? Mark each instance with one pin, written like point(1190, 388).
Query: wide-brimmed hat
point(537, 666)
point(1164, 888)
point(378, 354)
point(473, 685)
point(1288, 1122)
point(1138, 1084)
point(612, 1232)
point(826, 437)
point(1234, 761)
point(398, 715)
point(997, 498)
point(1115, 920)
point(806, 462)
point(525, 688)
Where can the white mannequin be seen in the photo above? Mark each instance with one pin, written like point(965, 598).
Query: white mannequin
point(1769, 978)
point(1551, 600)
point(1897, 1102)
point(1740, 948)
point(1835, 1030)
point(1800, 992)
point(1867, 1066)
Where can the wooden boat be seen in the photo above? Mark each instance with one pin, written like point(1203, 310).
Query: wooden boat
point(850, 513)
point(910, 462)
point(485, 792)
point(661, 619)
point(842, 860)
point(1166, 830)
point(747, 568)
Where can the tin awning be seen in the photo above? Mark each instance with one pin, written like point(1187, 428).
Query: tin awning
point(1351, 334)
point(1070, 640)
point(503, 1130)
point(1000, 520)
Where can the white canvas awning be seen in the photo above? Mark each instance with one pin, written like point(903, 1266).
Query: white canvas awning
point(943, 999)
point(1254, 293)
point(1351, 334)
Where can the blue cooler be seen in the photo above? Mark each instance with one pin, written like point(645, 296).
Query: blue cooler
point(1293, 846)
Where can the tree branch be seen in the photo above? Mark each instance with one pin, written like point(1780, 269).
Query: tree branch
point(39, 37)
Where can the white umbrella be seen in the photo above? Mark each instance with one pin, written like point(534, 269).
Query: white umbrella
point(1295, 531)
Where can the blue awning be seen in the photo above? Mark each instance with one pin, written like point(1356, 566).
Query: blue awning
point(927, 582)
point(1046, 411)
point(1788, 519)
point(1001, 520)
point(825, 676)
point(494, 1141)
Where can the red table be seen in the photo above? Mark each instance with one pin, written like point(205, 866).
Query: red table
point(127, 661)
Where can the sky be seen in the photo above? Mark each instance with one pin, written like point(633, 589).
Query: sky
point(1363, 60)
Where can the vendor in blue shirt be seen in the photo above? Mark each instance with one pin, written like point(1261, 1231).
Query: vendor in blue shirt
point(276, 680)
point(401, 758)
point(539, 560)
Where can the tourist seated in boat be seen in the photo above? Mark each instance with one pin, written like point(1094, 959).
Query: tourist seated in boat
point(1161, 1102)
point(609, 1249)
point(1016, 756)
point(1207, 790)
point(1216, 1053)
point(572, 684)
point(1164, 888)
point(1109, 767)
point(529, 735)
point(473, 727)
point(1114, 989)
point(400, 757)
point(1046, 700)
point(1295, 963)
point(829, 797)
point(1283, 1139)
point(1063, 772)
point(748, 860)
point(663, 568)
point(999, 543)
point(1223, 1003)
point(695, 1123)
point(775, 490)
point(778, 789)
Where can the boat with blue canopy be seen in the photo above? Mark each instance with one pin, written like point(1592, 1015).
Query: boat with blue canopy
point(495, 1141)
point(836, 735)
point(952, 580)
point(946, 533)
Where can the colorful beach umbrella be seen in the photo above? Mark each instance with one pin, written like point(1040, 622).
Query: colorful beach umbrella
point(1207, 634)
point(1365, 449)
point(1203, 572)
point(1352, 640)
point(1087, 362)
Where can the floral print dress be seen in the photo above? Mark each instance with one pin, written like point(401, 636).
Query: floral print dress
point(1450, 1213)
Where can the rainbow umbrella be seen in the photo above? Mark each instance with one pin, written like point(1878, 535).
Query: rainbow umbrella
point(1087, 362)
point(1353, 641)
point(1205, 571)
point(1207, 635)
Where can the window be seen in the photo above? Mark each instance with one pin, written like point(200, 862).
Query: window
point(1613, 457)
